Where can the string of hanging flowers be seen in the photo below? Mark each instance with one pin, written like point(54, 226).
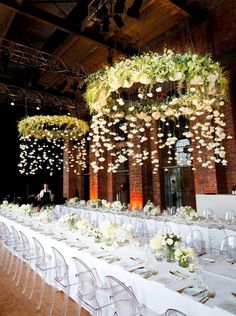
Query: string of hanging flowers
point(43, 139)
point(183, 93)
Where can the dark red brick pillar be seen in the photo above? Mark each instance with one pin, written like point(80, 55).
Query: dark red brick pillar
point(230, 144)
point(135, 183)
point(69, 177)
point(93, 179)
point(110, 183)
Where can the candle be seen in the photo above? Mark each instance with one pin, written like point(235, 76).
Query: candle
point(191, 267)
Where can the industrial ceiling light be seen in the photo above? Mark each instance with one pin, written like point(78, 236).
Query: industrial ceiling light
point(105, 24)
point(134, 10)
point(118, 20)
point(119, 6)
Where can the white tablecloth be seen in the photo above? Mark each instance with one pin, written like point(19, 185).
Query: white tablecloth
point(150, 292)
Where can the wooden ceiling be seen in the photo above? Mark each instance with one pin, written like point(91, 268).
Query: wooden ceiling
point(61, 28)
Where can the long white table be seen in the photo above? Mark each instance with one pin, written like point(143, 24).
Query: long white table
point(210, 233)
point(152, 293)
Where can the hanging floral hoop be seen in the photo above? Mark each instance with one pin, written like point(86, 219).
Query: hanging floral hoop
point(42, 141)
point(165, 88)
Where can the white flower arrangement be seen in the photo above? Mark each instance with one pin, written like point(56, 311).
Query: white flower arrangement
point(170, 239)
point(183, 254)
point(105, 204)
point(84, 225)
point(107, 229)
point(148, 207)
point(63, 219)
point(94, 203)
point(82, 203)
point(5, 203)
point(117, 206)
point(45, 215)
point(151, 209)
point(74, 200)
point(70, 219)
point(156, 242)
point(186, 212)
point(27, 209)
point(124, 233)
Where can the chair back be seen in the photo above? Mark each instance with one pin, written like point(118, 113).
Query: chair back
point(174, 312)
point(40, 254)
point(87, 279)
point(228, 246)
point(61, 267)
point(125, 301)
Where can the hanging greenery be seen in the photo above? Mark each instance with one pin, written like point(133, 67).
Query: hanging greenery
point(137, 92)
point(42, 143)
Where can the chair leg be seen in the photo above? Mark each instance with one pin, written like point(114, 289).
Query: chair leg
point(33, 284)
point(53, 294)
point(5, 262)
point(65, 303)
point(44, 276)
point(10, 265)
point(26, 278)
point(3, 255)
point(16, 268)
point(20, 273)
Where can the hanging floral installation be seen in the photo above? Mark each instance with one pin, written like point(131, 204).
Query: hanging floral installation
point(43, 139)
point(169, 89)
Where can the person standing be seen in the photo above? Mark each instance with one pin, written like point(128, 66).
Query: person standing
point(45, 196)
point(173, 192)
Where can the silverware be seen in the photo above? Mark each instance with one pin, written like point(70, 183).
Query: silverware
point(207, 297)
point(184, 288)
point(178, 274)
point(200, 292)
point(132, 270)
point(151, 273)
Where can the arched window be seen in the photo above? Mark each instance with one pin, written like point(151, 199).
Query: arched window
point(181, 151)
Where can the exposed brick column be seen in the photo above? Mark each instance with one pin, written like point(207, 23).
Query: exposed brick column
point(110, 183)
point(156, 178)
point(69, 177)
point(135, 182)
point(230, 144)
point(93, 179)
point(205, 179)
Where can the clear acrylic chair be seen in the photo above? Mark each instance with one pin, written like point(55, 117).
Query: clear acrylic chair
point(62, 279)
point(9, 243)
point(165, 229)
point(215, 237)
point(44, 267)
point(195, 240)
point(174, 312)
point(125, 301)
point(17, 248)
point(92, 294)
point(228, 247)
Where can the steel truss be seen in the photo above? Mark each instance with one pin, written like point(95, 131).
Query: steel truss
point(24, 55)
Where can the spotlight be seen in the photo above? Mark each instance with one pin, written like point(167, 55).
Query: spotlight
point(105, 24)
point(134, 10)
point(119, 6)
point(118, 20)
point(12, 103)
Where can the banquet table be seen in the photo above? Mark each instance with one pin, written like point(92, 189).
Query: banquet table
point(216, 230)
point(152, 292)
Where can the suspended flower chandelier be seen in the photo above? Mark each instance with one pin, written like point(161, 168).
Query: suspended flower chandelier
point(134, 94)
point(43, 139)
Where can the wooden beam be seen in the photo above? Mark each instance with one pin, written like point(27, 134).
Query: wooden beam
point(54, 21)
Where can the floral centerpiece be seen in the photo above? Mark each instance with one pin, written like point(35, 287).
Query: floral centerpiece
point(74, 200)
point(105, 205)
point(70, 219)
point(94, 203)
point(84, 225)
point(170, 241)
point(27, 209)
point(108, 231)
point(124, 233)
point(117, 206)
point(186, 212)
point(183, 255)
point(46, 215)
point(82, 203)
point(151, 209)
